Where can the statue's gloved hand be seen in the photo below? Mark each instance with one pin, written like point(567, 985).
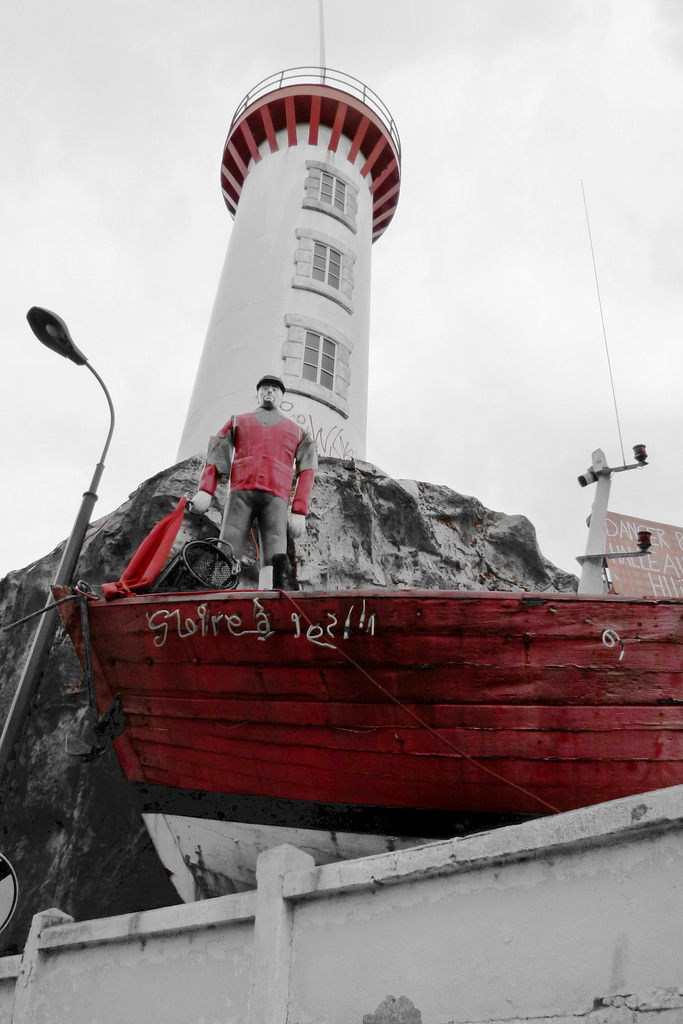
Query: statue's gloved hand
point(297, 525)
point(200, 503)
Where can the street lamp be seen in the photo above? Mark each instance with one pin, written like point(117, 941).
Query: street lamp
point(51, 330)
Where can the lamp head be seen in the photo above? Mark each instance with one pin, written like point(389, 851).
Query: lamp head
point(644, 542)
point(640, 454)
point(51, 330)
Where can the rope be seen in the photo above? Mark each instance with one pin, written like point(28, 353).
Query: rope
point(81, 590)
point(602, 319)
point(87, 651)
point(41, 611)
point(422, 723)
point(95, 532)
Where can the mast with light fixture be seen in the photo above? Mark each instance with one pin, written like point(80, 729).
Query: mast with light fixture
point(592, 562)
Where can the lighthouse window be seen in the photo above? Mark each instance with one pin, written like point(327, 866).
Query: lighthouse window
point(332, 191)
point(327, 265)
point(329, 190)
point(323, 264)
point(319, 360)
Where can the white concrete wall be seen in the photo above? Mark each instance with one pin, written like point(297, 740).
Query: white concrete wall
point(574, 918)
point(247, 332)
point(533, 928)
point(187, 964)
point(9, 972)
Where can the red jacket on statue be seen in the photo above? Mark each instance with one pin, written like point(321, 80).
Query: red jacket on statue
point(260, 457)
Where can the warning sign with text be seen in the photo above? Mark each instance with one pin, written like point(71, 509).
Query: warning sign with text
point(659, 573)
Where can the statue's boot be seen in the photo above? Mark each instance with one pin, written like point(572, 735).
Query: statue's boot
point(283, 577)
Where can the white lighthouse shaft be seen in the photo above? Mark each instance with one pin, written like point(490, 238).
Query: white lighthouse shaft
point(294, 297)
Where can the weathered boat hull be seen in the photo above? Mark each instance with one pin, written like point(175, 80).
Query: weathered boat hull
point(389, 713)
point(207, 858)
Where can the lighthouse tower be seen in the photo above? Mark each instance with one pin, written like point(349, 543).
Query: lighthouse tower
point(311, 175)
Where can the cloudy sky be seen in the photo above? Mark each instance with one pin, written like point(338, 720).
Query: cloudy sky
point(488, 366)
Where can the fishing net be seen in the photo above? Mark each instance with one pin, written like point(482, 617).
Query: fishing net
point(200, 565)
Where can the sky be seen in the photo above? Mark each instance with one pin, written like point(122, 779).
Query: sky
point(488, 367)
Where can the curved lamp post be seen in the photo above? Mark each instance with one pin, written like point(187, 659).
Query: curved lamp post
point(52, 332)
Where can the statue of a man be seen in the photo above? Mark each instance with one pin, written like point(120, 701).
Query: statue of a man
point(259, 452)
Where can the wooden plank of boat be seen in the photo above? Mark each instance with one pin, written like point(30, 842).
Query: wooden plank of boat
point(353, 706)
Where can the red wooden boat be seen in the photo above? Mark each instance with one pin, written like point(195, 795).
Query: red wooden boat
point(401, 713)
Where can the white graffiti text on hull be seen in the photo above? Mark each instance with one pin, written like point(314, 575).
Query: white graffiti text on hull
point(204, 624)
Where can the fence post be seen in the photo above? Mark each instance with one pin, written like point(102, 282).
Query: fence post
point(271, 965)
point(28, 981)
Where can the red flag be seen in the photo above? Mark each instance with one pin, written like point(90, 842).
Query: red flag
point(149, 559)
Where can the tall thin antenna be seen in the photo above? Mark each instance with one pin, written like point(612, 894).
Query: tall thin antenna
point(322, 34)
point(602, 320)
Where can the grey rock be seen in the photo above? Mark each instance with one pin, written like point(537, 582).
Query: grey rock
point(394, 1011)
point(367, 530)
